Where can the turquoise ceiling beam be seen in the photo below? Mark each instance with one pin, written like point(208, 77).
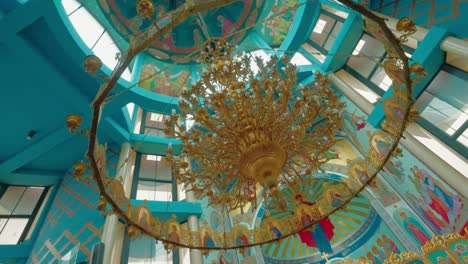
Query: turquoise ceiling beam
point(344, 43)
point(30, 53)
point(260, 42)
point(114, 131)
point(32, 177)
point(142, 143)
point(305, 19)
point(21, 17)
point(34, 151)
point(15, 251)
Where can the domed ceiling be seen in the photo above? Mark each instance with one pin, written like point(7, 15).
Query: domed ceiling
point(182, 44)
point(336, 232)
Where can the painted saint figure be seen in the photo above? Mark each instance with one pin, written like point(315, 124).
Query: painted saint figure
point(208, 240)
point(274, 231)
point(320, 234)
point(242, 239)
point(174, 235)
point(412, 226)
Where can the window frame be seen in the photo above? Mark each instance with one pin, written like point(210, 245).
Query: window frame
point(31, 217)
point(316, 46)
point(127, 75)
point(450, 140)
point(368, 81)
point(145, 126)
point(137, 178)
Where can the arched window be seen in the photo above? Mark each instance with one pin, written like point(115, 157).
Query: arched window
point(93, 34)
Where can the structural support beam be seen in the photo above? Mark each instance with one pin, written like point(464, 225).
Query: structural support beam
point(34, 151)
point(22, 16)
point(32, 177)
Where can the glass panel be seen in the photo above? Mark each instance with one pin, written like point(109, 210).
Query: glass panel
point(321, 30)
point(154, 191)
point(450, 88)
point(463, 138)
point(441, 114)
point(258, 53)
point(314, 52)
point(381, 79)
point(372, 47)
point(10, 199)
point(145, 250)
point(106, 50)
point(28, 201)
point(86, 26)
point(372, 50)
point(11, 230)
point(181, 192)
point(298, 59)
point(155, 167)
point(154, 132)
point(333, 35)
point(155, 120)
point(70, 5)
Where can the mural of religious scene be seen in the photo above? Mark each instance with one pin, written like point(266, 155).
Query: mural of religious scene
point(383, 192)
point(276, 26)
point(355, 126)
point(213, 218)
point(163, 81)
point(384, 249)
point(322, 237)
point(412, 226)
point(378, 247)
point(442, 207)
point(181, 44)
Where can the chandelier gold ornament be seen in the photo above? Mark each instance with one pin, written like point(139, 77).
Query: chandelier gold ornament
point(253, 129)
point(79, 169)
point(215, 50)
point(92, 64)
point(407, 27)
point(145, 8)
point(73, 121)
point(258, 134)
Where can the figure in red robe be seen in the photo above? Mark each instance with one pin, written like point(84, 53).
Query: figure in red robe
point(320, 234)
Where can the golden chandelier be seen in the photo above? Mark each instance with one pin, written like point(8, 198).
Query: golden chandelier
point(257, 134)
point(254, 132)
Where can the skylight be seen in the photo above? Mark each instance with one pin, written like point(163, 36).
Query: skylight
point(299, 60)
point(156, 117)
point(320, 26)
point(153, 157)
point(93, 34)
point(258, 53)
point(359, 46)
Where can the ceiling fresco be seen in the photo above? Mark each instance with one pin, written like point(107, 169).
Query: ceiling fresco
point(278, 17)
point(182, 44)
point(334, 233)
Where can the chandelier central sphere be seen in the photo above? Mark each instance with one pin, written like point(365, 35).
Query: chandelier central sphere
point(256, 131)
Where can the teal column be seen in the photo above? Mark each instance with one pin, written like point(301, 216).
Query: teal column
point(305, 19)
point(429, 55)
point(260, 42)
point(345, 42)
